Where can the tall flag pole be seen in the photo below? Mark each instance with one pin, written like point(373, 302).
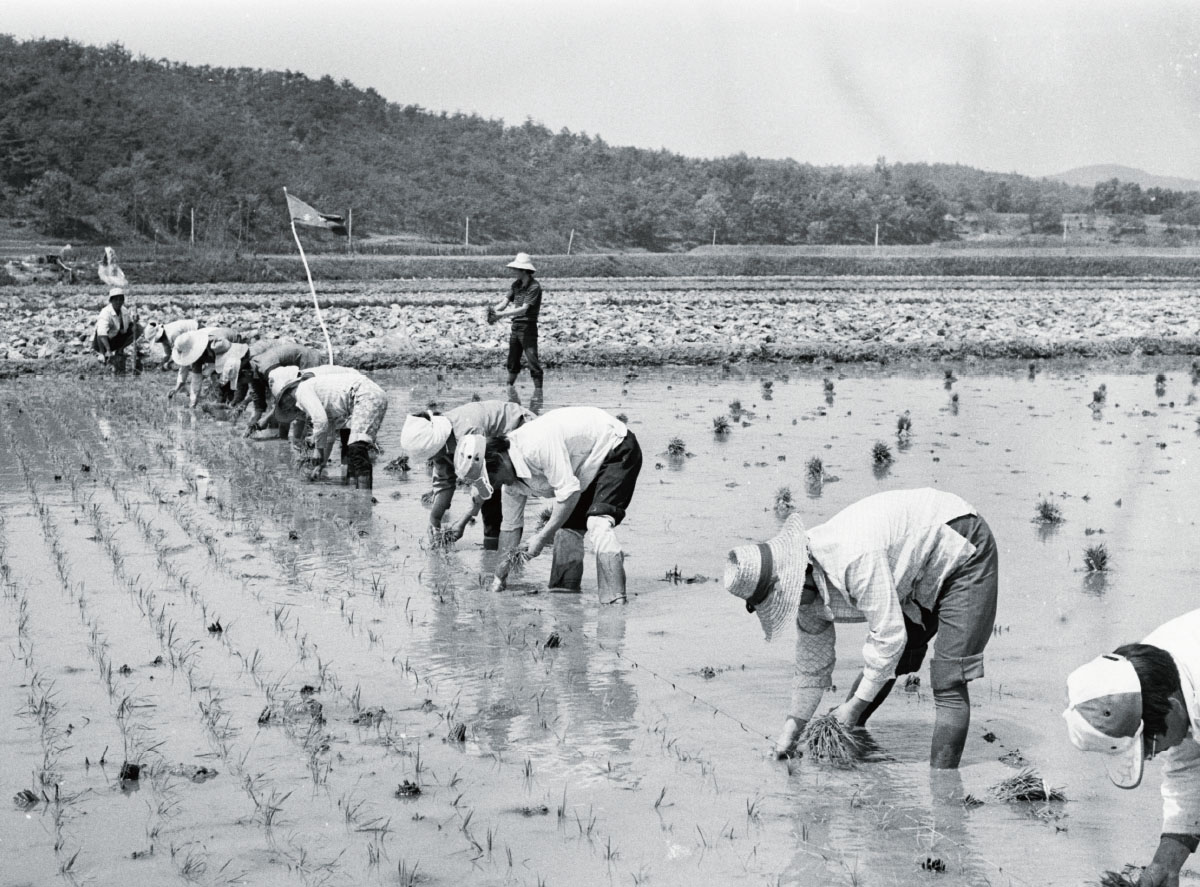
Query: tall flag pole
point(301, 212)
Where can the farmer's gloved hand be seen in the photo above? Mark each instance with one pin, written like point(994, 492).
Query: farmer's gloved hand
point(785, 745)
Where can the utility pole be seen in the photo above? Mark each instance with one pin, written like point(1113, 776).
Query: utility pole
point(877, 234)
point(350, 230)
point(467, 237)
point(714, 243)
point(193, 227)
point(570, 241)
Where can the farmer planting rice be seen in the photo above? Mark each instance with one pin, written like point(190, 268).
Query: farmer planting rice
point(164, 335)
point(195, 353)
point(588, 462)
point(333, 400)
point(116, 330)
point(267, 356)
point(523, 304)
point(1139, 701)
point(434, 438)
point(916, 566)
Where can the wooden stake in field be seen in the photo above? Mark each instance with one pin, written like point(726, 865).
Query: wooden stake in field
point(301, 212)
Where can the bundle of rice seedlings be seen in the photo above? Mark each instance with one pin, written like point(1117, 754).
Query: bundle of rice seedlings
point(735, 409)
point(544, 517)
point(1027, 785)
point(1126, 877)
point(442, 539)
point(828, 739)
point(427, 498)
point(1095, 558)
point(721, 425)
point(904, 425)
point(1048, 512)
point(881, 453)
point(399, 464)
point(676, 447)
point(518, 557)
point(814, 469)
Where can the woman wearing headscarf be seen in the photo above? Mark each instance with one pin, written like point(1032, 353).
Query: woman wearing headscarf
point(165, 334)
point(333, 400)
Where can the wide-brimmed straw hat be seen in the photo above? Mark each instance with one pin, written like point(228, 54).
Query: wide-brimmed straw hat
point(522, 263)
point(470, 467)
point(1104, 714)
point(189, 347)
point(424, 438)
point(280, 378)
point(769, 576)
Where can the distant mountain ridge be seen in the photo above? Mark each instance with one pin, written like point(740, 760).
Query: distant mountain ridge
point(1088, 176)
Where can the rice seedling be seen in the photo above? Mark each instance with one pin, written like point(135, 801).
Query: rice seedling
point(721, 425)
point(783, 500)
point(828, 385)
point(828, 739)
point(903, 425)
point(881, 454)
point(676, 448)
point(1027, 785)
point(1095, 558)
point(518, 557)
point(1128, 876)
point(1047, 512)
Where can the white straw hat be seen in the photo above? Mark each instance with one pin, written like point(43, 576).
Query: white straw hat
point(769, 576)
point(470, 467)
point(522, 262)
point(424, 438)
point(279, 378)
point(189, 347)
point(1104, 714)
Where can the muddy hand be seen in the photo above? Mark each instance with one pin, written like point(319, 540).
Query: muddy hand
point(789, 736)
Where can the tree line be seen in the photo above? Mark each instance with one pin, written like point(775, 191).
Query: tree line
point(97, 144)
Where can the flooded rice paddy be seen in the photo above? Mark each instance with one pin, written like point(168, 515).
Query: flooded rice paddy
point(313, 695)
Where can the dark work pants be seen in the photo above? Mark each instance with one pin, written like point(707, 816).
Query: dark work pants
point(612, 489)
point(524, 341)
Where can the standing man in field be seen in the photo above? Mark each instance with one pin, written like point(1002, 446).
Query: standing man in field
point(1139, 701)
point(116, 330)
point(523, 305)
point(434, 438)
point(915, 565)
point(588, 462)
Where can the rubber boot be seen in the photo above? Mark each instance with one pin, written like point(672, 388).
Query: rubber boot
point(344, 450)
point(610, 577)
point(491, 543)
point(359, 468)
point(566, 568)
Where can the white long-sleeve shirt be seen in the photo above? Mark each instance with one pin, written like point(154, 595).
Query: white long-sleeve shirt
point(556, 455)
point(883, 555)
point(1181, 765)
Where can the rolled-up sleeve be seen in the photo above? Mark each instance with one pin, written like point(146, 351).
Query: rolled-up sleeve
point(307, 400)
point(871, 586)
point(812, 673)
point(1181, 789)
point(512, 509)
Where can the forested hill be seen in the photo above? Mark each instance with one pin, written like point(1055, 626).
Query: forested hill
point(96, 143)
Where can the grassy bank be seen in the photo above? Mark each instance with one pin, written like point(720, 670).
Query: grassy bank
point(228, 268)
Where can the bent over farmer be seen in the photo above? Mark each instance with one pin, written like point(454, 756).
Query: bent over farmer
point(165, 334)
point(331, 401)
point(1139, 701)
point(266, 357)
point(916, 566)
point(434, 438)
point(523, 305)
point(588, 462)
point(195, 353)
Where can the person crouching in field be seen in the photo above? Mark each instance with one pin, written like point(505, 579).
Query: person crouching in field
point(1139, 701)
point(916, 566)
point(332, 401)
point(433, 438)
point(523, 305)
point(588, 462)
point(270, 356)
point(194, 353)
point(164, 335)
point(116, 330)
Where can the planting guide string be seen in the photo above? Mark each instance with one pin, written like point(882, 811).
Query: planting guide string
point(717, 710)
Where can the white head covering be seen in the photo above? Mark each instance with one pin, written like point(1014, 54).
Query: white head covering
point(470, 467)
point(1104, 714)
point(424, 438)
point(522, 262)
point(279, 377)
point(229, 365)
point(189, 347)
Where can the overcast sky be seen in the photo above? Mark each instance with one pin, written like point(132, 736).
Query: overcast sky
point(1032, 86)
